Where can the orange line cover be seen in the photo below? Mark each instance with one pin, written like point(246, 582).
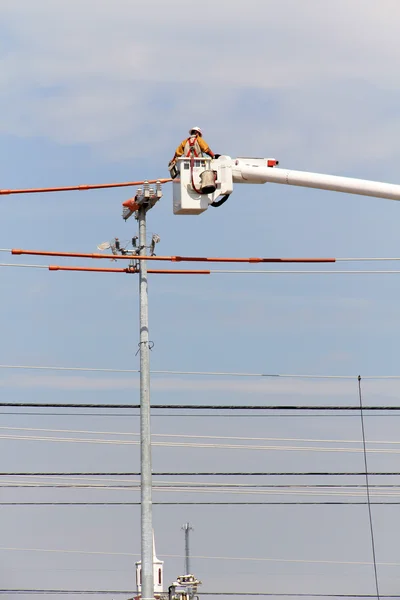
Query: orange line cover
point(174, 258)
point(71, 188)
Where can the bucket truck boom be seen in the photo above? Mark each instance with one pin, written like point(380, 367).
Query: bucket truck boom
point(192, 196)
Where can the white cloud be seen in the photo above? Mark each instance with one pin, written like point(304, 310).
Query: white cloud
point(121, 75)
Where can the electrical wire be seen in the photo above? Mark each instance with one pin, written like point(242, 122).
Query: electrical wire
point(208, 272)
point(199, 473)
point(368, 488)
point(217, 489)
point(199, 373)
point(82, 187)
point(201, 437)
point(214, 446)
point(209, 503)
point(18, 251)
point(261, 559)
point(126, 592)
point(223, 407)
point(189, 415)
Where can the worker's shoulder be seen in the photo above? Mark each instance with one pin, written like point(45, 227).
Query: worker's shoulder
point(202, 142)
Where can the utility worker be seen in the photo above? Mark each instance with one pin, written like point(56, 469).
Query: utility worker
point(194, 146)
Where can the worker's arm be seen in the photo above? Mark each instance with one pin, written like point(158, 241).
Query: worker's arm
point(179, 151)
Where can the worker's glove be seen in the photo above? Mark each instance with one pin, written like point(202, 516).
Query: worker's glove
point(217, 155)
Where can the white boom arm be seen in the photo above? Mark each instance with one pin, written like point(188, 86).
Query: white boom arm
point(191, 198)
point(320, 181)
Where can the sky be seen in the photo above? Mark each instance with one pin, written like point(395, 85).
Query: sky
point(94, 91)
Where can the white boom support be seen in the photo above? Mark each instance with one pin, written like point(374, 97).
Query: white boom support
point(189, 198)
point(320, 181)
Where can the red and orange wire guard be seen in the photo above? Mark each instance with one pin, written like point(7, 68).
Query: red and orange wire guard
point(133, 269)
point(130, 269)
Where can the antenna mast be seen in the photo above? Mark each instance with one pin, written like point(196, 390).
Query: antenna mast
point(187, 528)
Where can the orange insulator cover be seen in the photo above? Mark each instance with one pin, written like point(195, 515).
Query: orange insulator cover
point(131, 204)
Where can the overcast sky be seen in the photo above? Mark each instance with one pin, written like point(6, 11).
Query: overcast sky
point(96, 91)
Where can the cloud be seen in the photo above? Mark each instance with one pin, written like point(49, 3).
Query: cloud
point(122, 82)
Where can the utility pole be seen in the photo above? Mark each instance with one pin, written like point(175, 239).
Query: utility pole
point(145, 199)
point(145, 431)
point(187, 528)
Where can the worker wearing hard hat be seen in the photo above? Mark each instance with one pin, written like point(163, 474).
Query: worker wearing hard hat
point(194, 146)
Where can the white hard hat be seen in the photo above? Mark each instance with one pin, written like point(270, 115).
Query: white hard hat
point(199, 131)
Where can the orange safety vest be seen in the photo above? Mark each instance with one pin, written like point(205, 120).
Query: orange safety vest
point(192, 147)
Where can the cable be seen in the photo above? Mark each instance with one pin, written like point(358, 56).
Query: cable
point(268, 503)
point(202, 557)
point(293, 595)
point(200, 437)
point(202, 272)
point(347, 491)
point(74, 440)
point(126, 592)
point(24, 266)
point(199, 373)
point(223, 407)
point(368, 488)
point(214, 259)
point(199, 473)
point(189, 415)
point(308, 272)
point(82, 187)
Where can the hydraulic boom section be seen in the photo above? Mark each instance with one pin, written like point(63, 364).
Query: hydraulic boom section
point(201, 183)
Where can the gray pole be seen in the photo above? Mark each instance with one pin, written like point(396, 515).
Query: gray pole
point(186, 528)
point(145, 433)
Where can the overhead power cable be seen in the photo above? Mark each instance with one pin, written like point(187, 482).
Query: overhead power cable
point(214, 259)
point(38, 592)
point(201, 488)
point(200, 473)
point(198, 437)
point(368, 489)
point(201, 407)
point(80, 188)
point(123, 415)
point(198, 373)
point(133, 270)
point(260, 559)
point(184, 444)
point(209, 503)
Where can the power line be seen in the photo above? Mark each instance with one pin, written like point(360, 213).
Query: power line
point(203, 557)
point(200, 437)
point(206, 272)
point(196, 373)
point(268, 503)
point(203, 445)
point(368, 489)
point(200, 486)
point(202, 407)
point(80, 188)
point(126, 592)
point(294, 595)
point(201, 473)
point(191, 416)
point(196, 415)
